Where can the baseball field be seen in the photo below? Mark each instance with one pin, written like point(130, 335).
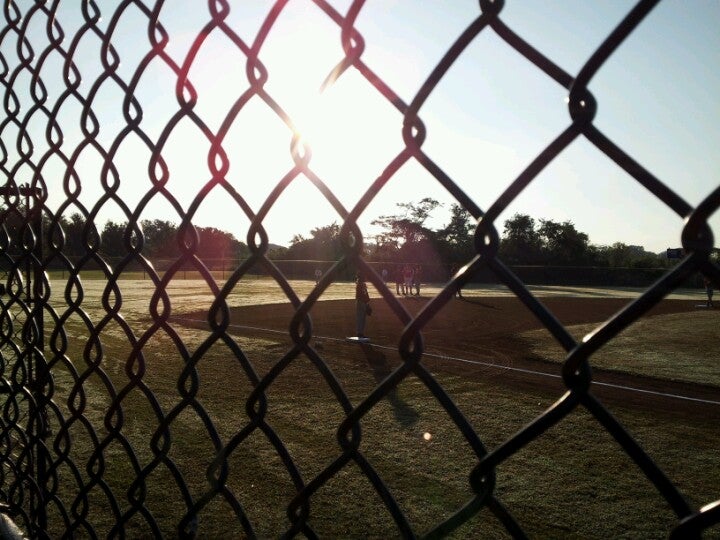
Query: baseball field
point(164, 390)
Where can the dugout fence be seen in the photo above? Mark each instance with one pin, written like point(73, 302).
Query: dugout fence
point(72, 454)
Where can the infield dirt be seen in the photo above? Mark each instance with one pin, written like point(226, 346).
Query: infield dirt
point(482, 338)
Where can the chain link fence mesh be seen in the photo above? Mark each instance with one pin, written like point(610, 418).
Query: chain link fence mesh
point(57, 368)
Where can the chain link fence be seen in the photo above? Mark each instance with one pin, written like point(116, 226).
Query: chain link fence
point(59, 463)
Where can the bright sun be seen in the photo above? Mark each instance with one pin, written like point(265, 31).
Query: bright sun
point(353, 134)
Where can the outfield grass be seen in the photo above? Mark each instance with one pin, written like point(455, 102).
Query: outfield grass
point(266, 288)
point(677, 346)
point(573, 482)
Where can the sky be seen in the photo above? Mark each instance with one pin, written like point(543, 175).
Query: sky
point(491, 114)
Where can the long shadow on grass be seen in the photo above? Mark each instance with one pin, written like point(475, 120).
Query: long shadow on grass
point(404, 413)
point(477, 302)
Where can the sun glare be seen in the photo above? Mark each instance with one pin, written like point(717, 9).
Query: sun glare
point(318, 122)
point(352, 132)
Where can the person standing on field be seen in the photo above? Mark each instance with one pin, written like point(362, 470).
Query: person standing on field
point(407, 279)
point(708, 291)
point(362, 304)
point(416, 280)
point(453, 271)
point(399, 286)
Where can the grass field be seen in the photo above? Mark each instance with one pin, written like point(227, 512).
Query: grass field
point(574, 481)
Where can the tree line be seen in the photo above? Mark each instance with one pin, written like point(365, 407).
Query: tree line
point(156, 239)
point(403, 237)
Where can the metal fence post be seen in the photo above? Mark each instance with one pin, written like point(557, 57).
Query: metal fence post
point(36, 368)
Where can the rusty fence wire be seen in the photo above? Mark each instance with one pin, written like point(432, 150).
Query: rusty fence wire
point(55, 359)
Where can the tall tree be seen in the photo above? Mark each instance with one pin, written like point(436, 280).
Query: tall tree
point(73, 234)
point(324, 244)
point(409, 227)
point(521, 242)
point(458, 235)
point(563, 244)
point(217, 244)
point(112, 239)
point(160, 238)
point(76, 234)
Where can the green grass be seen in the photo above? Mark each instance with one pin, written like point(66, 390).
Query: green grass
point(574, 481)
point(678, 347)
